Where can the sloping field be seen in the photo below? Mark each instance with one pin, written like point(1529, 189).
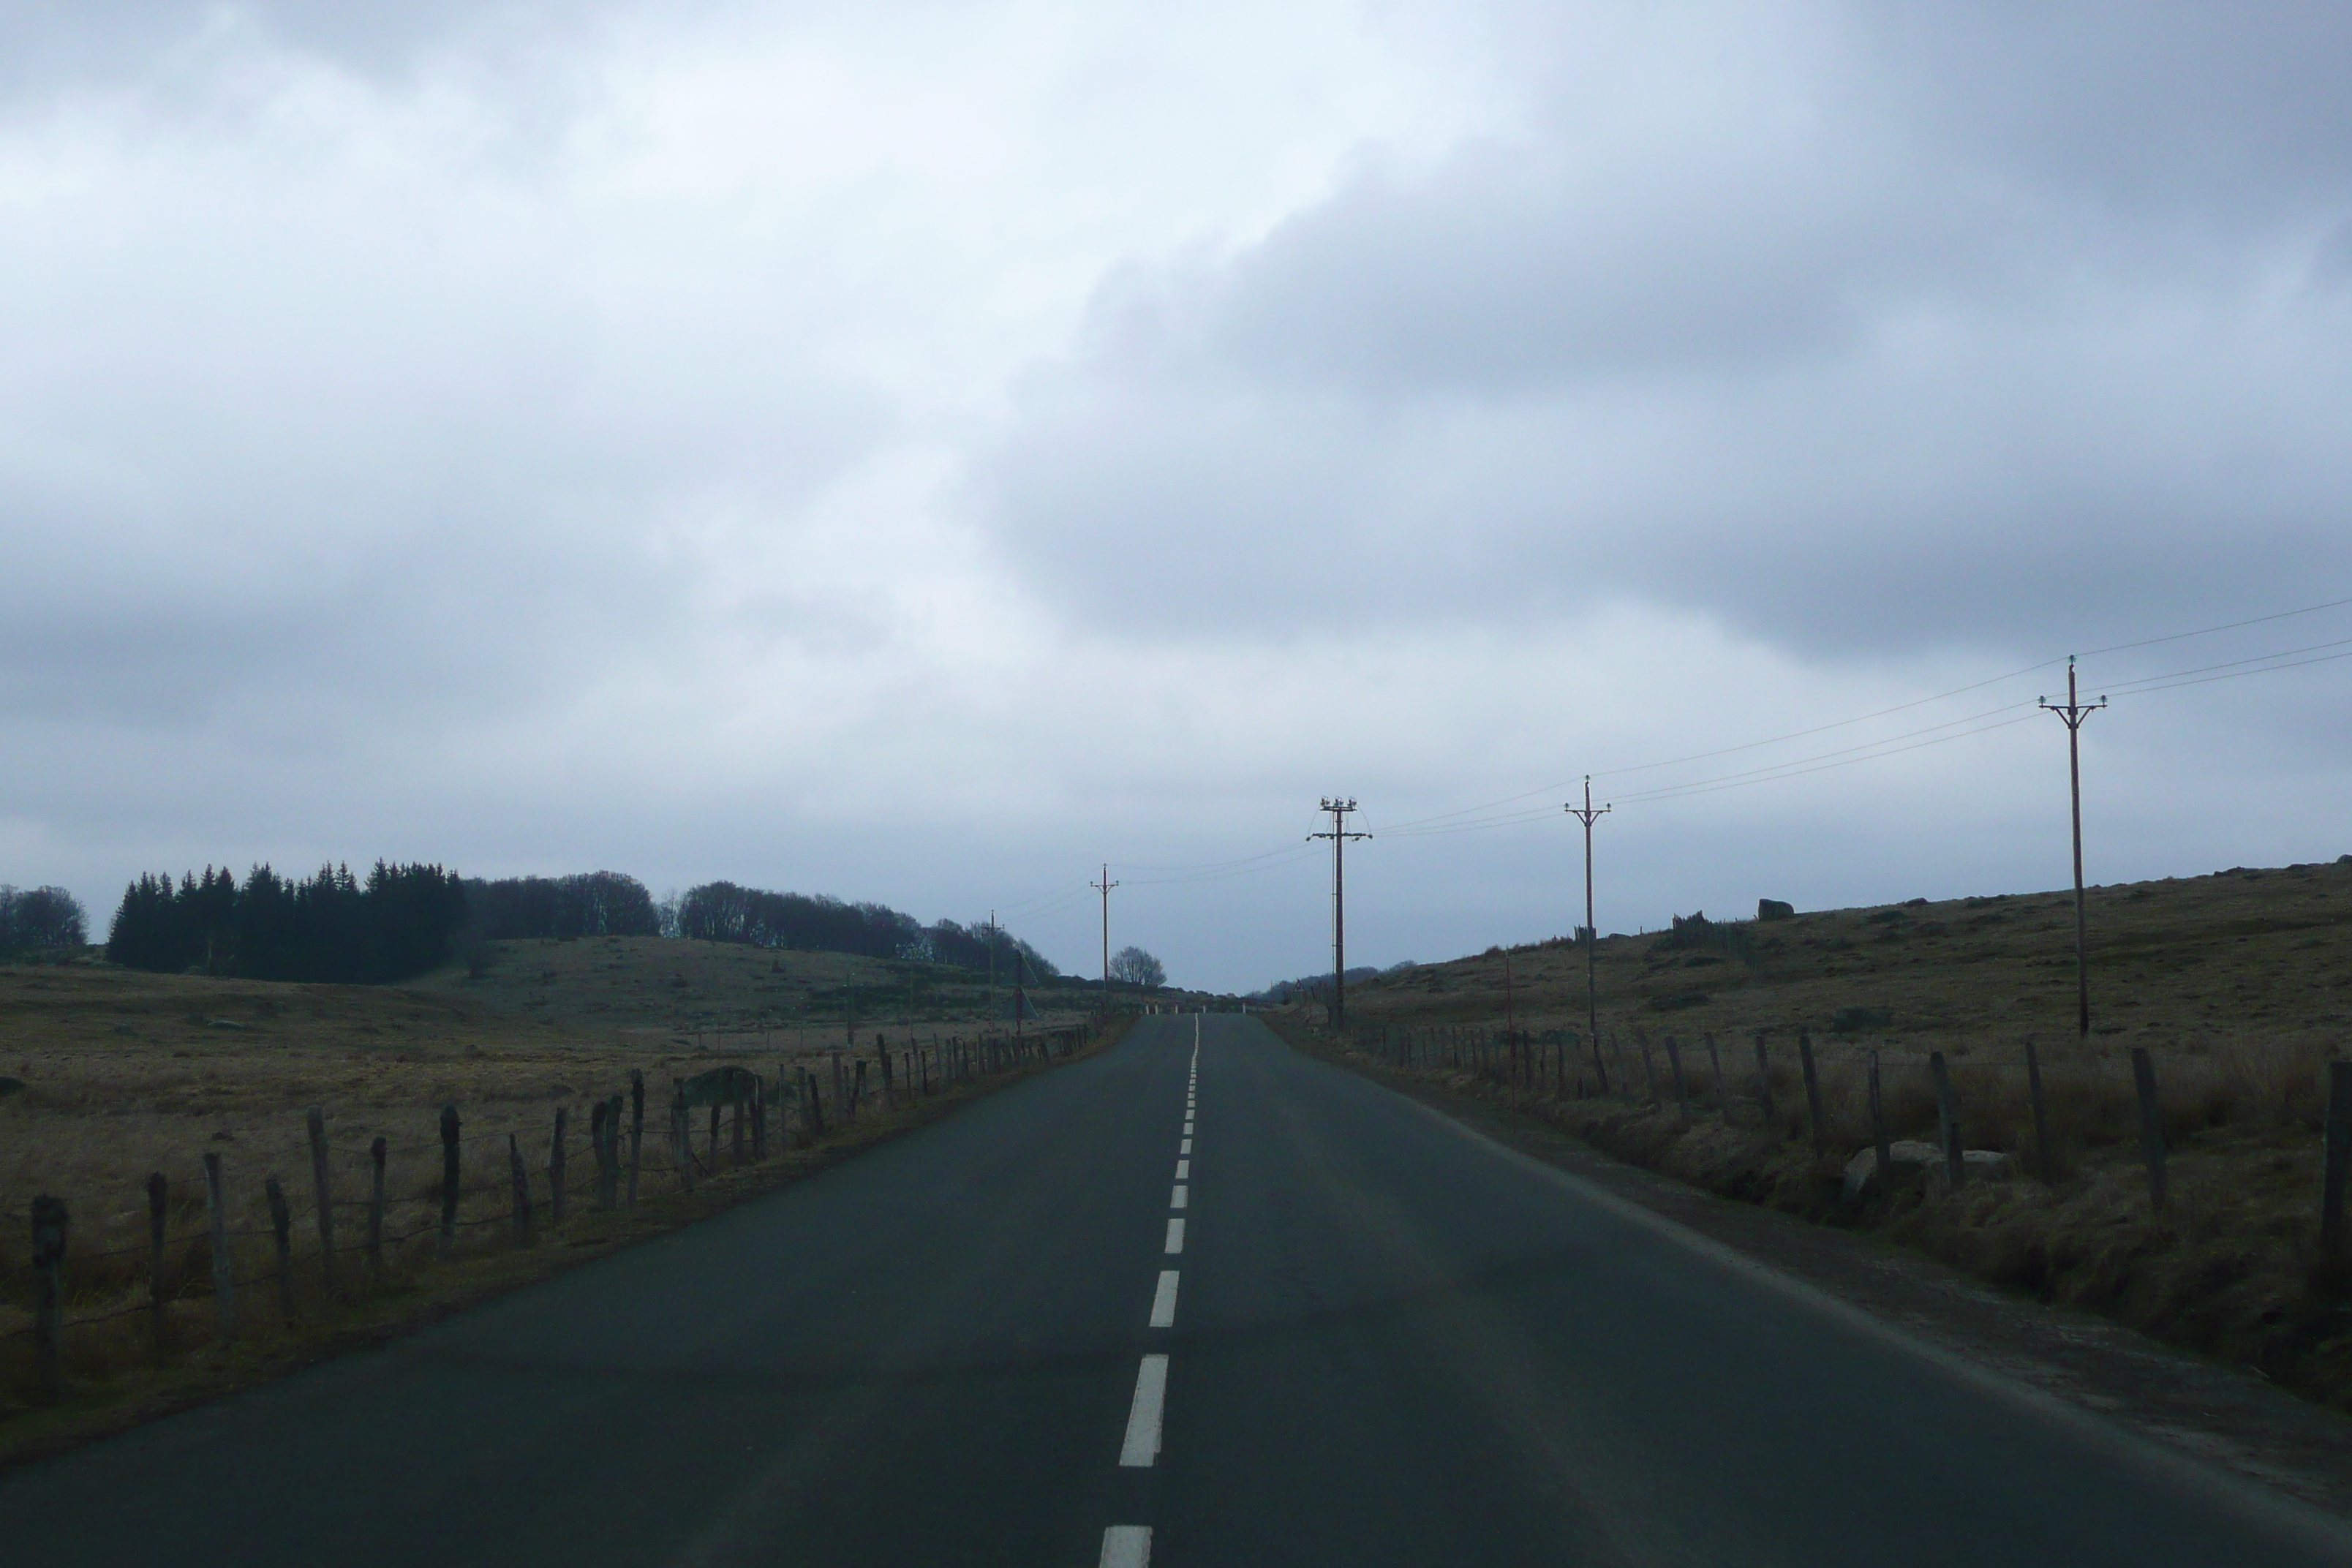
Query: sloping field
point(107, 1075)
point(2243, 953)
point(2239, 985)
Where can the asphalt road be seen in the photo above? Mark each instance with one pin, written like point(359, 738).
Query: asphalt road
point(1383, 1340)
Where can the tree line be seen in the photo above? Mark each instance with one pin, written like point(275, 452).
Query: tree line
point(723, 912)
point(398, 922)
point(593, 903)
point(403, 920)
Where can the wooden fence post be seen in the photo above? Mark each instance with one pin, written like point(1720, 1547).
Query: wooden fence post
point(1715, 1067)
point(759, 1091)
point(1763, 1078)
point(448, 1180)
point(223, 1271)
point(376, 1152)
point(49, 1222)
point(1812, 1091)
point(158, 1214)
point(1947, 1121)
point(556, 1173)
point(680, 1142)
point(520, 1178)
point(2151, 1125)
point(735, 1137)
point(1650, 1072)
point(281, 1233)
point(2339, 1164)
point(1674, 1064)
point(636, 1128)
point(2046, 1167)
point(1878, 1132)
point(315, 1122)
point(599, 1126)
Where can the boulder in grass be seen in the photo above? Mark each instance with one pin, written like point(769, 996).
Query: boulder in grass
point(1775, 910)
point(1907, 1159)
point(1913, 1161)
point(1981, 1165)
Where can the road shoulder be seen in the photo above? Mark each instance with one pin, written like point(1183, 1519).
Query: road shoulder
point(2218, 1414)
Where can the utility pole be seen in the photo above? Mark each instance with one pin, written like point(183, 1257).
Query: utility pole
point(991, 966)
point(1588, 816)
point(2072, 712)
point(1339, 836)
point(1103, 888)
point(1020, 993)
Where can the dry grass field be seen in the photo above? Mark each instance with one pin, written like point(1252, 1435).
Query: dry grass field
point(2239, 986)
point(107, 1075)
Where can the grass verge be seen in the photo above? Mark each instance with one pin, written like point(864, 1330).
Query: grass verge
point(115, 1381)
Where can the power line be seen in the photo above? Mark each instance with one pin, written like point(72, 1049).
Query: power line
point(1865, 718)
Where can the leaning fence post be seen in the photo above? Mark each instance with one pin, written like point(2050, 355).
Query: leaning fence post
point(1715, 1065)
point(556, 1169)
point(2151, 1125)
point(1650, 1071)
point(448, 1179)
point(223, 1272)
point(2046, 1167)
point(157, 1214)
point(2339, 1162)
point(1878, 1132)
point(1812, 1091)
point(376, 1152)
point(520, 1178)
point(315, 1120)
point(1674, 1063)
point(1947, 1121)
point(636, 1128)
point(281, 1233)
point(49, 1222)
point(1763, 1079)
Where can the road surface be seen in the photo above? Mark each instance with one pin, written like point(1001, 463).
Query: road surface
point(1071, 1326)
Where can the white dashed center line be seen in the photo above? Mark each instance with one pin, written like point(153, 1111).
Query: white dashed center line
point(1184, 1147)
point(1179, 1196)
point(1163, 1300)
point(1175, 1236)
point(1183, 1170)
point(1127, 1546)
point(1142, 1444)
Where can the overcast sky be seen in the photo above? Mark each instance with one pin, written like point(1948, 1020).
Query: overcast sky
point(924, 451)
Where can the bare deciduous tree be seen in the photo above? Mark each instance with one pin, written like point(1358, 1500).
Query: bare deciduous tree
point(1133, 966)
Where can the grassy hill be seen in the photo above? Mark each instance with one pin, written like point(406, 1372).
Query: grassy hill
point(2173, 964)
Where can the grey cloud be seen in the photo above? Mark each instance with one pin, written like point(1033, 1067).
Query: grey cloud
point(1946, 359)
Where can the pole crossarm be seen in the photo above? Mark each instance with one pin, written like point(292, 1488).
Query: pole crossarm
point(1339, 836)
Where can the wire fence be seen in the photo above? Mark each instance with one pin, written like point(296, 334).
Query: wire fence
point(226, 1257)
point(1883, 1118)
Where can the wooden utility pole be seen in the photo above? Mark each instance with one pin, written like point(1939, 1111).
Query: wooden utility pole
point(2073, 712)
point(1588, 816)
point(1103, 888)
point(1339, 836)
point(991, 966)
